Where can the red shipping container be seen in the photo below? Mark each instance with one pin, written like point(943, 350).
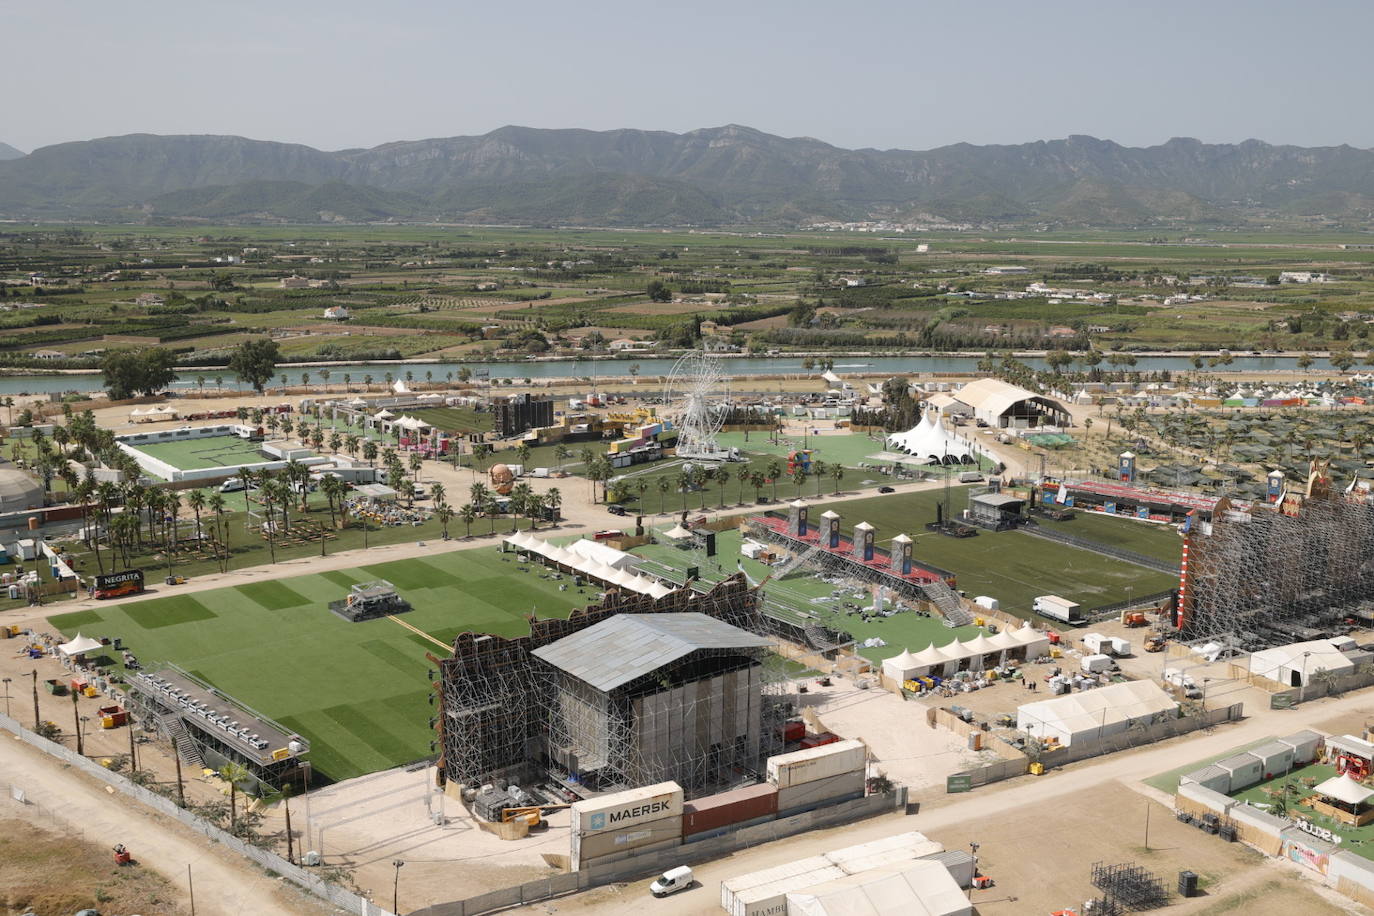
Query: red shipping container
point(819, 740)
point(793, 731)
point(716, 811)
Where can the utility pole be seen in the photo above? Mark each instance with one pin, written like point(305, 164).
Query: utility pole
point(181, 790)
point(133, 754)
point(191, 888)
point(290, 857)
point(76, 717)
point(1147, 825)
point(37, 722)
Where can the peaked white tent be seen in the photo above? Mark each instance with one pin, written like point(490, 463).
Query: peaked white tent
point(1344, 789)
point(79, 646)
point(901, 667)
point(930, 440)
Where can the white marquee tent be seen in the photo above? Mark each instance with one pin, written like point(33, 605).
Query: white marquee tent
point(932, 441)
point(1101, 712)
point(978, 651)
point(1293, 665)
point(592, 559)
point(79, 646)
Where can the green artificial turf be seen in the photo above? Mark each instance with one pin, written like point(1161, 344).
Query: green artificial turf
point(209, 452)
point(358, 691)
point(1149, 538)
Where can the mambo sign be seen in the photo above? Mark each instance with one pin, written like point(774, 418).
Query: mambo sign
point(112, 585)
point(626, 809)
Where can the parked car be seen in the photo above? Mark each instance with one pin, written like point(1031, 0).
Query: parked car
point(886, 490)
point(616, 510)
point(672, 881)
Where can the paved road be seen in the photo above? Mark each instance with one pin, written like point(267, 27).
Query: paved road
point(950, 811)
point(225, 884)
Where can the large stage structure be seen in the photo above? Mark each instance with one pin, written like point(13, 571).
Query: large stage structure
point(533, 708)
point(1269, 575)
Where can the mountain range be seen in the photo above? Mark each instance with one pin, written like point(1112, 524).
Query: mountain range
point(729, 175)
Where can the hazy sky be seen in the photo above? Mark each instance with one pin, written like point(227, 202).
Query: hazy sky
point(897, 73)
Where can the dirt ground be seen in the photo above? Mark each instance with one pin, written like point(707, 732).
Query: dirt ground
point(45, 871)
point(1041, 856)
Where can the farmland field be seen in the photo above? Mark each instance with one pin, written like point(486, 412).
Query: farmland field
point(358, 691)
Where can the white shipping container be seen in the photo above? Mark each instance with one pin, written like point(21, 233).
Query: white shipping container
point(819, 792)
point(731, 886)
point(798, 767)
point(625, 809)
point(892, 850)
point(1120, 647)
point(770, 899)
point(1097, 644)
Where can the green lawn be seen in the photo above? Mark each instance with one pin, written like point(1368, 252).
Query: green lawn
point(358, 691)
point(1359, 840)
point(209, 452)
point(1150, 539)
point(848, 449)
point(454, 419)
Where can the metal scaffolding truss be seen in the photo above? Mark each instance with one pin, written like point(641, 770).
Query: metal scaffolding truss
point(505, 715)
point(1130, 886)
point(1271, 576)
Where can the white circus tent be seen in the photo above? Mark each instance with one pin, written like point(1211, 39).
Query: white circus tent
point(930, 440)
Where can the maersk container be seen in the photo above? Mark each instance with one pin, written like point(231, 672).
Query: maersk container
point(596, 846)
point(817, 792)
point(620, 810)
point(717, 811)
point(787, 770)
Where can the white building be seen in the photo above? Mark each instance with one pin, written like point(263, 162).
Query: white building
point(336, 313)
point(1096, 713)
point(1006, 270)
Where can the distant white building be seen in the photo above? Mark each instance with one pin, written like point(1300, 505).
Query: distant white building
point(1303, 276)
point(336, 313)
point(1006, 270)
point(295, 282)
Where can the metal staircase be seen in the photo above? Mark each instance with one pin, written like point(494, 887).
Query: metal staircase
point(950, 606)
point(186, 747)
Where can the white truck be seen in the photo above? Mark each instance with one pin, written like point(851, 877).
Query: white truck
point(1056, 608)
point(1097, 664)
point(1183, 682)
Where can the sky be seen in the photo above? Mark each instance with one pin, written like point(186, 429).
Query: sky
point(908, 74)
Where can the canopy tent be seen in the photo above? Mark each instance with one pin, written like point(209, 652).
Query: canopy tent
point(1095, 714)
point(902, 666)
point(80, 646)
point(930, 440)
point(1344, 789)
point(382, 416)
point(677, 533)
point(400, 386)
point(412, 423)
point(588, 558)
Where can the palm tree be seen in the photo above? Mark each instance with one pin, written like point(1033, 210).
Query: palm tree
point(469, 515)
point(416, 463)
point(722, 478)
point(444, 512)
point(561, 453)
point(757, 480)
point(837, 472)
point(664, 485)
point(351, 443)
point(216, 504)
point(819, 469)
point(233, 773)
point(197, 502)
point(348, 381)
point(554, 500)
point(519, 502)
point(370, 452)
point(407, 490)
point(774, 471)
point(335, 442)
point(437, 492)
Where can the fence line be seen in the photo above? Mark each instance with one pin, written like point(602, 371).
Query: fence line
point(262, 857)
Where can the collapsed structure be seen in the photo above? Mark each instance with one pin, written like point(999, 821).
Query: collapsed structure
point(627, 692)
point(1278, 573)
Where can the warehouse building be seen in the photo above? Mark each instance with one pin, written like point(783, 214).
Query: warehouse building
point(643, 698)
point(1004, 406)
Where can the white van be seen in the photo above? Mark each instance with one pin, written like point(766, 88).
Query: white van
point(232, 485)
point(672, 881)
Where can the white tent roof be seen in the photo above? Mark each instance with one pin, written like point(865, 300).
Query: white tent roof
point(409, 422)
point(383, 415)
point(930, 655)
point(79, 646)
point(923, 887)
point(831, 377)
point(677, 533)
point(931, 440)
point(400, 387)
point(658, 590)
point(603, 553)
point(994, 396)
point(1006, 639)
point(1344, 789)
point(1093, 709)
point(980, 645)
point(1028, 634)
point(1305, 657)
point(899, 666)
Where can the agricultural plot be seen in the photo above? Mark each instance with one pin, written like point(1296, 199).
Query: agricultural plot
point(358, 691)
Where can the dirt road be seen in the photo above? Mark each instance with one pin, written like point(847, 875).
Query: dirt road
point(951, 812)
point(224, 883)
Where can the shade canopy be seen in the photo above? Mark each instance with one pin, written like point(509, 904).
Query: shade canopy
point(79, 646)
point(1344, 789)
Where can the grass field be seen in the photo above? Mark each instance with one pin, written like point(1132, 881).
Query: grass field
point(1153, 540)
point(455, 419)
point(1010, 566)
point(209, 452)
point(358, 691)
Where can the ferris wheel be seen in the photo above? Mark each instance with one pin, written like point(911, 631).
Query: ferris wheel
point(695, 400)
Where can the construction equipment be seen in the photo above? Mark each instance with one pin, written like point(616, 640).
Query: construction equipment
point(531, 814)
point(122, 856)
point(1155, 642)
point(1133, 619)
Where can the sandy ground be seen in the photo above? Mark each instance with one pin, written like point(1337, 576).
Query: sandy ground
point(1008, 833)
point(904, 747)
point(224, 884)
point(365, 824)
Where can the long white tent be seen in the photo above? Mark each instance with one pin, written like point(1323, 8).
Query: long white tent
point(1096, 713)
point(593, 560)
point(1025, 642)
